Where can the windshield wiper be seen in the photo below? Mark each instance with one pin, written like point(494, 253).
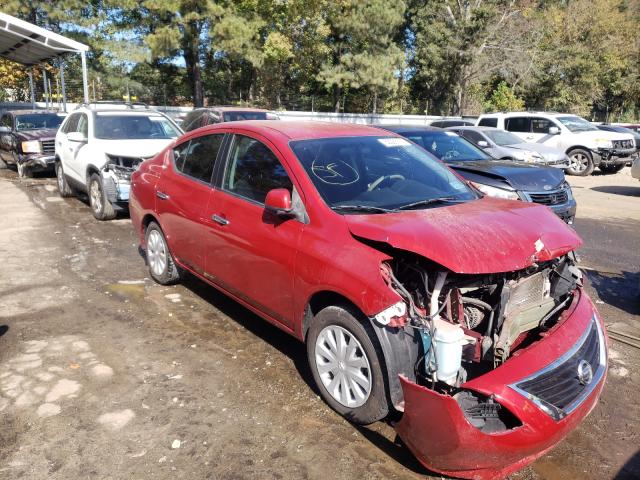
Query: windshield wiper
point(360, 208)
point(429, 201)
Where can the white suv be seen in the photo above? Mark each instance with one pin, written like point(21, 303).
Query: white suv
point(586, 145)
point(98, 147)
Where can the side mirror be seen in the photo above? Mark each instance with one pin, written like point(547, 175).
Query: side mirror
point(76, 137)
point(483, 144)
point(554, 131)
point(278, 202)
point(5, 129)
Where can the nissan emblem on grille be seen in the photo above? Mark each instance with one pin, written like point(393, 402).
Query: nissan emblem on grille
point(585, 373)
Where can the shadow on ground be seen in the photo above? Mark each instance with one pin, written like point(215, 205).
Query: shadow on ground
point(296, 351)
point(619, 190)
point(620, 290)
point(630, 470)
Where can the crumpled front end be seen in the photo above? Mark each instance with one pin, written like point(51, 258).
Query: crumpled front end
point(116, 175)
point(500, 421)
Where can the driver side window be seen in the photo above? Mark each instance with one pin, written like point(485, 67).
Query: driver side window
point(253, 170)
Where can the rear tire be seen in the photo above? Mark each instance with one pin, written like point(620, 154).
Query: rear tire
point(611, 168)
point(100, 206)
point(63, 186)
point(581, 162)
point(159, 259)
point(347, 365)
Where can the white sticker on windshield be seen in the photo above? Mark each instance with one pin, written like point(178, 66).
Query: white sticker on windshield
point(451, 134)
point(394, 142)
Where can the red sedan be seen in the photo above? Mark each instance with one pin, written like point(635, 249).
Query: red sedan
point(412, 291)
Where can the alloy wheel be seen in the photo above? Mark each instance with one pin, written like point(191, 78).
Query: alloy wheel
point(343, 366)
point(96, 196)
point(156, 253)
point(579, 162)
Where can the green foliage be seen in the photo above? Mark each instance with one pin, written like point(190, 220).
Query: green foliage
point(410, 56)
point(503, 99)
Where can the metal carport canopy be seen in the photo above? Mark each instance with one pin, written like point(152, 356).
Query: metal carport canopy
point(30, 45)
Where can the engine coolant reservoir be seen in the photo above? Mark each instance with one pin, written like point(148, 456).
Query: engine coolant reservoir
point(448, 341)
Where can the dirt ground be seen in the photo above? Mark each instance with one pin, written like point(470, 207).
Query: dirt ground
point(105, 374)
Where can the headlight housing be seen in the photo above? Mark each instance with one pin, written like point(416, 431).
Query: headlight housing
point(603, 143)
point(496, 192)
point(31, 146)
point(529, 156)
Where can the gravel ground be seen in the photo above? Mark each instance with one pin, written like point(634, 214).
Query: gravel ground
point(105, 374)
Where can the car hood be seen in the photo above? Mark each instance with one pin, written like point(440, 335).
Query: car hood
point(521, 176)
point(134, 148)
point(593, 135)
point(39, 134)
point(478, 237)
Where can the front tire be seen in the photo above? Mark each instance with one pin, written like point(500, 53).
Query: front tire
point(159, 259)
point(611, 168)
point(24, 172)
point(64, 189)
point(100, 206)
point(581, 162)
point(346, 363)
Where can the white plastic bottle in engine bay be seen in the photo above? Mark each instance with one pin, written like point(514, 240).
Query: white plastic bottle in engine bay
point(448, 341)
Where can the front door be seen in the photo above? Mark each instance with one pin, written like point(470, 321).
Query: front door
point(250, 252)
point(182, 195)
point(540, 132)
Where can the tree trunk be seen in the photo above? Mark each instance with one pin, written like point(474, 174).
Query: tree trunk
point(191, 49)
point(337, 91)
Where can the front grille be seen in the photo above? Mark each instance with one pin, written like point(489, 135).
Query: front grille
point(561, 387)
point(48, 146)
point(625, 144)
point(557, 197)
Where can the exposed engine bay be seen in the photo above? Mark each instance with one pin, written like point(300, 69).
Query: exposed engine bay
point(122, 167)
point(468, 325)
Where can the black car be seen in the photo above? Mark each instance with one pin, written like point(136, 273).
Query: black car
point(617, 128)
point(201, 117)
point(497, 178)
point(452, 123)
point(27, 140)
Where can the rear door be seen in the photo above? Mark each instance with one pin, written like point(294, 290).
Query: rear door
point(182, 195)
point(250, 252)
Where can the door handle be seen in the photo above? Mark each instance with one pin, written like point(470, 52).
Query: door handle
point(220, 220)
point(162, 195)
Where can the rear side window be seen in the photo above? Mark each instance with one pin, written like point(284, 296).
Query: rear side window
point(253, 170)
point(6, 121)
point(197, 157)
point(518, 124)
point(488, 122)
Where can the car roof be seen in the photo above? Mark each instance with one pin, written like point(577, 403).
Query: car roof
point(303, 130)
point(473, 127)
point(231, 108)
point(528, 114)
point(410, 128)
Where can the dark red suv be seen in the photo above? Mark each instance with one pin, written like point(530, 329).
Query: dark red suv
point(413, 292)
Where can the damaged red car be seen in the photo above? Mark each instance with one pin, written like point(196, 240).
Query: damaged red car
point(413, 293)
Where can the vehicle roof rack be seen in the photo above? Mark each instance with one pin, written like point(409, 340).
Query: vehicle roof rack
point(130, 105)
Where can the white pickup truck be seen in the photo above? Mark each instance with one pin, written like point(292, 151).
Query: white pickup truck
point(586, 145)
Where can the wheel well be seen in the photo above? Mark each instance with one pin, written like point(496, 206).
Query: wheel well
point(148, 218)
point(320, 300)
point(506, 158)
point(578, 147)
point(90, 171)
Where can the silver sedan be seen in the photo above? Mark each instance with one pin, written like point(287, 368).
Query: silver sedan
point(505, 145)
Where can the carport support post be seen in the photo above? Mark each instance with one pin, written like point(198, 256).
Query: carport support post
point(33, 94)
point(85, 77)
point(64, 89)
point(46, 88)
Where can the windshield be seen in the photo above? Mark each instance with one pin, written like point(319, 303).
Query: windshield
point(447, 146)
point(382, 173)
point(138, 127)
point(576, 124)
point(235, 116)
point(502, 138)
point(38, 120)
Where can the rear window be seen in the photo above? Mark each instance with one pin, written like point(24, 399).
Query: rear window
point(518, 124)
point(488, 122)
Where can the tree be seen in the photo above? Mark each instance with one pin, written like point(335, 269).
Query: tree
point(503, 99)
point(363, 53)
